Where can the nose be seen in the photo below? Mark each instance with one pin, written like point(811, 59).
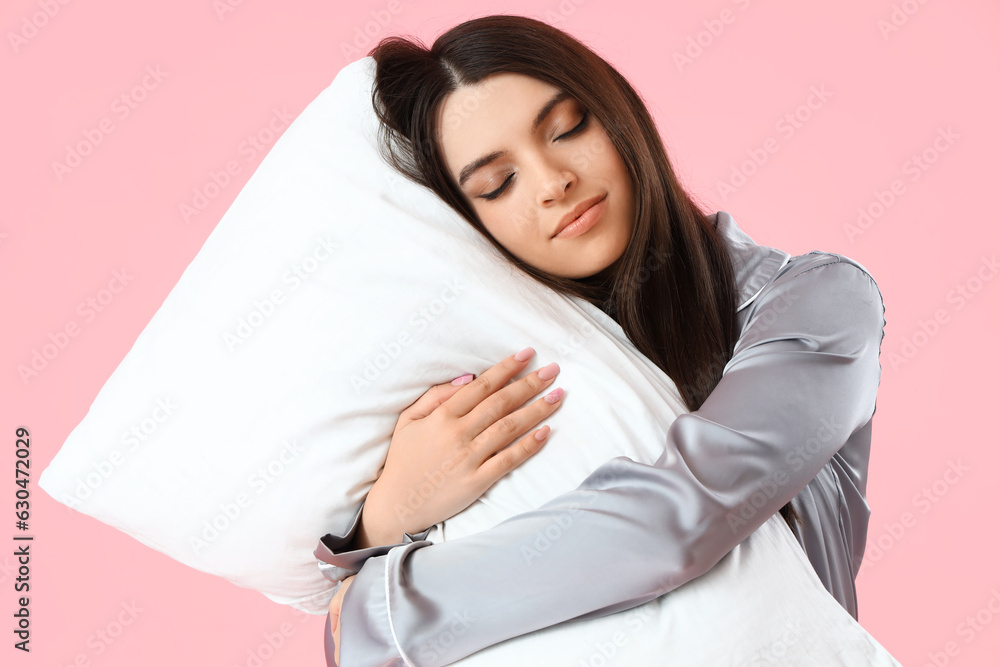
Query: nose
point(555, 186)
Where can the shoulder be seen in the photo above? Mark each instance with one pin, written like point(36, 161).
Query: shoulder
point(822, 293)
point(817, 291)
point(816, 259)
point(826, 273)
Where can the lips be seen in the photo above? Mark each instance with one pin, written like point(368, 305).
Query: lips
point(579, 210)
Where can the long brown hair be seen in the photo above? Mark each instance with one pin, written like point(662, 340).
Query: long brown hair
point(681, 311)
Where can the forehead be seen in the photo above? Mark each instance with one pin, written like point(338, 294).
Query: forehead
point(481, 118)
point(494, 93)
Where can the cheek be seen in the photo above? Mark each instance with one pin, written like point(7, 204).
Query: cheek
point(513, 229)
point(512, 217)
point(620, 169)
point(595, 152)
point(505, 227)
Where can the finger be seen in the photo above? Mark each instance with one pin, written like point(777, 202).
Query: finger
point(435, 396)
point(494, 379)
point(507, 459)
point(507, 429)
point(504, 402)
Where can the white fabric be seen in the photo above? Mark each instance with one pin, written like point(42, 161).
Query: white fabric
point(254, 411)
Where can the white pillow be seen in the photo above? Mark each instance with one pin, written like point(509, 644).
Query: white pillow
point(253, 412)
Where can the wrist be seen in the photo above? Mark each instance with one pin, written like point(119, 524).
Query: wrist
point(377, 527)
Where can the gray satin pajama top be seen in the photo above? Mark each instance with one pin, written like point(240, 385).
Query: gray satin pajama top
point(790, 420)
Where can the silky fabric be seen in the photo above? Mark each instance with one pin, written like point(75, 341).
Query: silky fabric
point(789, 420)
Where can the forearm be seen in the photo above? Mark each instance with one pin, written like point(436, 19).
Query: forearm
point(793, 393)
point(546, 566)
point(376, 527)
point(534, 570)
point(368, 536)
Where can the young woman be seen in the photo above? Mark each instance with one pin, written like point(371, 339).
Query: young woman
point(548, 151)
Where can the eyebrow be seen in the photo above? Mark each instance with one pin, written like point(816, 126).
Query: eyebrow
point(470, 168)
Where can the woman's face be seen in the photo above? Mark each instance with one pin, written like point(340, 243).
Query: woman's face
point(528, 157)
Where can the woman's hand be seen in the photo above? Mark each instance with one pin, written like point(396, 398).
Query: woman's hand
point(451, 445)
point(335, 605)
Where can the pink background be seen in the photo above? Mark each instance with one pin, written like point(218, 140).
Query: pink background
point(930, 567)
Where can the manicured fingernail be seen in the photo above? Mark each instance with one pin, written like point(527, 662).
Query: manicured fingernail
point(554, 395)
point(542, 433)
point(463, 379)
point(524, 354)
point(548, 372)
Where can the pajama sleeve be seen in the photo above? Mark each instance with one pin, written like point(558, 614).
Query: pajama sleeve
point(802, 379)
point(337, 565)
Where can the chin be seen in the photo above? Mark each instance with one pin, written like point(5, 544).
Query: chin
point(595, 260)
point(597, 271)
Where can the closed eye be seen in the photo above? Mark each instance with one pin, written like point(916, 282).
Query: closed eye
point(490, 196)
point(580, 127)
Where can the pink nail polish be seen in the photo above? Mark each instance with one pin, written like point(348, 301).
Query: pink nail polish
point(463, 379)
point(548, 372)
point(524, 354)
point(554, 395)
